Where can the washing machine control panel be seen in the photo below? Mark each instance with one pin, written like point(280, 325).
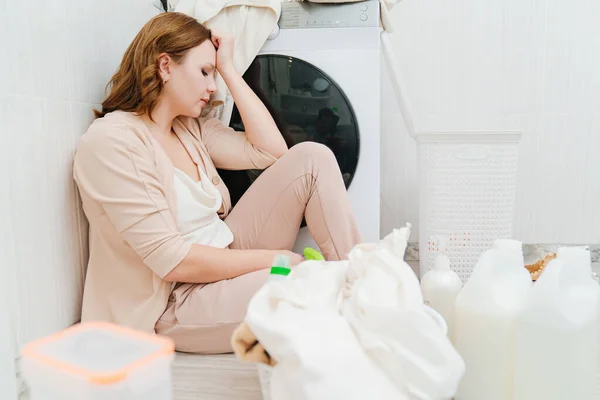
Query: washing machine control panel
point(298, 15)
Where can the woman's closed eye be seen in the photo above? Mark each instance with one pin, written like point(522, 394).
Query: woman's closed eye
point(204, 72)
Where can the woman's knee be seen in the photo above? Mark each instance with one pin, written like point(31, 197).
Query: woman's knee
point(313, 151)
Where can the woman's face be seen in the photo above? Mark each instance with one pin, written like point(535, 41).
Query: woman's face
point(192, 81)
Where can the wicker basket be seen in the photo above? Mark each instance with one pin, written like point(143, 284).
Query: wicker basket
point(467, 184)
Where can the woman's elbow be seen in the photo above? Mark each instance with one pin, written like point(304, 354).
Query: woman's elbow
point(279, 152)
point(279, 149)
point(181, 272)
point(173, 276)
point(192, 269)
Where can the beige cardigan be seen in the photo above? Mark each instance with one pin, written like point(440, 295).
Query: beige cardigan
point(125, 180)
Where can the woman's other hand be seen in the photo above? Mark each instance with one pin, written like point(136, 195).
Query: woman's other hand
point(224, 44)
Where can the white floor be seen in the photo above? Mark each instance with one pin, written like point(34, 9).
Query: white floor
point(220, 377)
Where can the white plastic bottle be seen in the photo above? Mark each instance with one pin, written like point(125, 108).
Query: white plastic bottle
point(486, 309)
point(557, 332)
point(566, 254)
point(280, 268)
point(440, 287)
point(510, 245)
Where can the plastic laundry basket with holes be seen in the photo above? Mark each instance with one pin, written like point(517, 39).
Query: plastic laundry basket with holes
point(467, 186)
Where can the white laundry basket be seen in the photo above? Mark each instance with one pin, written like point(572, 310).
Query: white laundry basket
point(467, 186)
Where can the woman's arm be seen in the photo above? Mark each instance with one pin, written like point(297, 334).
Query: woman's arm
point(205, 264)
point(114, 168)
point(260, 128)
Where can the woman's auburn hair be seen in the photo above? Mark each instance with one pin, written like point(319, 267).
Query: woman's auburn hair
point(137, 85)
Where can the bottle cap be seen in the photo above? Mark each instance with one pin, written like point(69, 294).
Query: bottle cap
point(508, 244)
point(280, 271)
point(312, 254)
point(280, 265)
point(442, 263)
point(576, 257)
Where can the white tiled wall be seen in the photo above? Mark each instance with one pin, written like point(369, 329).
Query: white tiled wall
point(533, 65)
point(57, 58)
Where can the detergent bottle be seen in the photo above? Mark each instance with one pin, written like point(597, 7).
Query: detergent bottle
point(440, 287)
point(557, 332)
point(280, 268)
point(485, 314)
point(510, 245)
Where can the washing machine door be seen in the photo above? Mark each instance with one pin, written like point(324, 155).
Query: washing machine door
point(307, 105)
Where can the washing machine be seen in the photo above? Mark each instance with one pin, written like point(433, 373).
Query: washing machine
point(318, 74)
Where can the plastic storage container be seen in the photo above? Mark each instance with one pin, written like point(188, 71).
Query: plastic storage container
point(99, 361)
point(486, 311)
point(467, 184)
point(557, 332)
point(440, 287)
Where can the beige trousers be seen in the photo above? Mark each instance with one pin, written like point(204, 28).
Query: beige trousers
point(304, 182)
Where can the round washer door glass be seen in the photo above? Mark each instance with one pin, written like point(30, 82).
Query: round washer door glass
point(306, 105)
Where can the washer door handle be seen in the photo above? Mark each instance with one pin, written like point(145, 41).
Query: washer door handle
point(472, 153)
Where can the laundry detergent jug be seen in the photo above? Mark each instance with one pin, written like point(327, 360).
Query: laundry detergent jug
point(557, 332)
point(485, 314)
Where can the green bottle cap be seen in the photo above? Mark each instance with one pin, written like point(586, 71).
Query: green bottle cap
point(280, 271)
point(281, 265)
point(312, 254)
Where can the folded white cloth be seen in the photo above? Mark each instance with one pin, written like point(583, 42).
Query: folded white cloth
point(354, 329)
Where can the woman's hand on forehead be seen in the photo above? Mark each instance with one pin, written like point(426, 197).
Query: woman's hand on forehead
point(225, 46)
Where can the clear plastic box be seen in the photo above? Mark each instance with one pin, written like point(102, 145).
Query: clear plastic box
point(98, 361)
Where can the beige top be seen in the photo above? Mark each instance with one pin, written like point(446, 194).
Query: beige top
point(126, 183)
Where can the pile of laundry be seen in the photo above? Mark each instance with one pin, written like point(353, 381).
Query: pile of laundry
point(351, 329)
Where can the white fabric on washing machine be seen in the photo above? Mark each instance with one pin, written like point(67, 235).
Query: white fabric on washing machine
point(249, 21)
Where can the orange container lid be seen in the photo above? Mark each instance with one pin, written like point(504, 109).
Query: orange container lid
point(100, 352)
